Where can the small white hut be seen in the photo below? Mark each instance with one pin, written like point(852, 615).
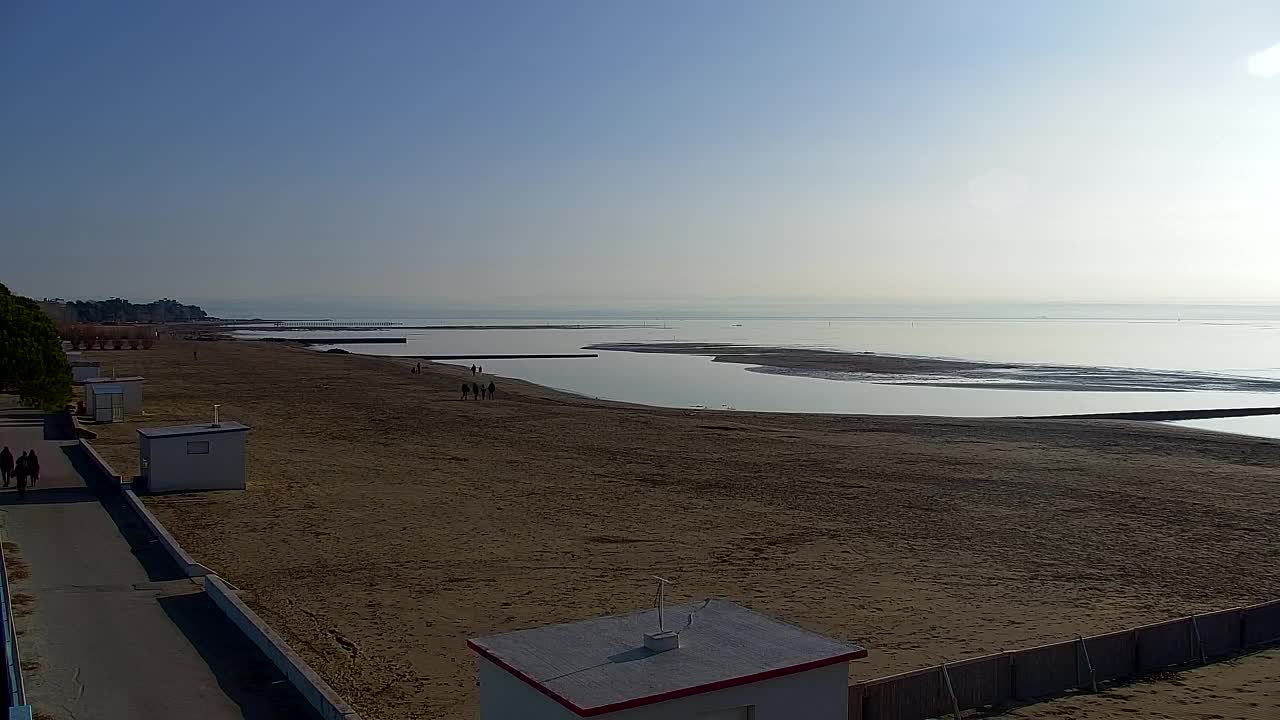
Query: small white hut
point(131, 386)
point(105, 402)
point(82, 370)
point(722, 662)
point(193, 457)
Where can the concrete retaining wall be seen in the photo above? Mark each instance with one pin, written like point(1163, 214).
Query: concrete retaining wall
point(101, 463)
point(308, 683)
point(1050, 670)
point(180, 557)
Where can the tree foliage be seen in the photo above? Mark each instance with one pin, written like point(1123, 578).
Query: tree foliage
point(32, 363)
point(115, 310)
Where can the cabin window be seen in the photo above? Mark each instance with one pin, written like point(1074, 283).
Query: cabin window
point(745, 712)
point(198, 447)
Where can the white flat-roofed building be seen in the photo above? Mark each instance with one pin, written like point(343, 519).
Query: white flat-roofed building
point(105, 402)
point(193, 457)
point(729, 663)
point(131, 385)
point(82, 370)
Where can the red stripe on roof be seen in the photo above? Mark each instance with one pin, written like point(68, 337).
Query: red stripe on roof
point(671, 694)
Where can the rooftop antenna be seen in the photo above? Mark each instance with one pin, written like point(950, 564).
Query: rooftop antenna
point(664, 639)
point(659, 598)
point(215, 416)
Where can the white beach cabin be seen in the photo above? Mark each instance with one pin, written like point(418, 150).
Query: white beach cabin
point(132, 387)
point(193, 457)
point(729, 663)
point(82, 370)
point(105, 402)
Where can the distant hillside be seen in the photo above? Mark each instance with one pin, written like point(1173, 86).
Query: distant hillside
point(117, 310)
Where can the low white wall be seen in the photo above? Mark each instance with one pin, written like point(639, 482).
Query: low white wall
point(189, 567)
point(300, 675)
point(99, 461)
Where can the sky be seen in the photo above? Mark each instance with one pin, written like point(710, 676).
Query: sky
point(602, 153)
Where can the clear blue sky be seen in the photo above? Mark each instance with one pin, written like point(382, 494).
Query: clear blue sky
point(606, 153)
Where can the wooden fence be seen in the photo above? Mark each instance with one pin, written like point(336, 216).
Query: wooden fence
point(1022, 676)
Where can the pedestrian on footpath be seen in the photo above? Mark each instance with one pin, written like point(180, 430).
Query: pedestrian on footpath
point(20, 474)
point(33, 467)
point(6, 464)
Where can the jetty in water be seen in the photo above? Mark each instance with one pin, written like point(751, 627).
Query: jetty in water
point(338, 340)
point(499, 356)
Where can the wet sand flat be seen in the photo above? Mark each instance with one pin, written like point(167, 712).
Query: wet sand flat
point(387, 520)
point(943, 372)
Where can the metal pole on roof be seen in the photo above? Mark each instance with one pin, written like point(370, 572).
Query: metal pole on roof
point(662, 584)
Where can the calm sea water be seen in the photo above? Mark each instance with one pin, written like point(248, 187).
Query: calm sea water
point(1241, 347)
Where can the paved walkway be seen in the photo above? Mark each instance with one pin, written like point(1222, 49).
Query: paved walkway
point(109, 628)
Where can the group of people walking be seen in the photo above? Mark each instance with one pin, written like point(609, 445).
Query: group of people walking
point(473, 389)
point(478, 390)
point(20, 470)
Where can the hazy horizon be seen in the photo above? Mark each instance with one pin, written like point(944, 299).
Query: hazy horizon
point(302, 308)
point(606, 155)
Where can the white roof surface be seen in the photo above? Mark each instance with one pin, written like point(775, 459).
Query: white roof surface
point(199, 429)
point(601, 665)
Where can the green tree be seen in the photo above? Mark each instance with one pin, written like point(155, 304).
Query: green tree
point(32, 363)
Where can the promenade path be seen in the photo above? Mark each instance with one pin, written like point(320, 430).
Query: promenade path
point(109, 628)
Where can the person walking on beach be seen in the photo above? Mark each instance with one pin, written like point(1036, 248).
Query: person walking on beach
point(465, 390)
point(6, 464)
point(473, 369)
point(491, 389)
point(475, 391)
point(33, 467)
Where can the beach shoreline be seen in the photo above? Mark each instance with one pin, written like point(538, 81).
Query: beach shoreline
point(385, 514)
point(945, 372)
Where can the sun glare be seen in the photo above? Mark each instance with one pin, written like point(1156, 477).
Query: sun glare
point(1265, 64)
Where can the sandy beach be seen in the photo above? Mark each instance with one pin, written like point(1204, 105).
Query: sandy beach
point(386, 520)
